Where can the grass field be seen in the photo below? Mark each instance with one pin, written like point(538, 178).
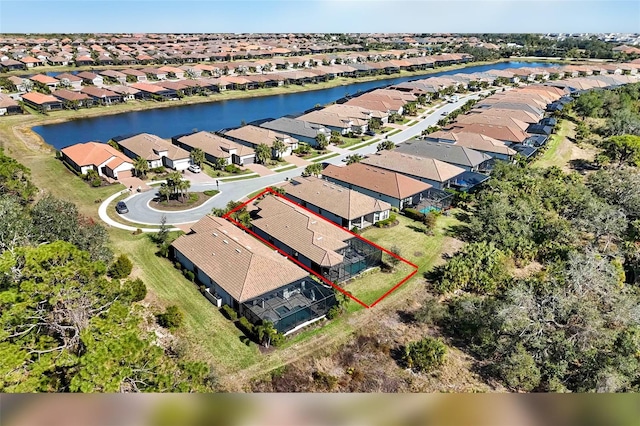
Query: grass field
point(558, 151)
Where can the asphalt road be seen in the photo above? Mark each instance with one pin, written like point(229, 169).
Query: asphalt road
point(141, 212)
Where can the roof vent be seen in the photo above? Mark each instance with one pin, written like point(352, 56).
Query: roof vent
point(234, 238)
point(238, 250)
point(215, 234)
point(313, 222)
point(224, 231)
point(225, 241)
point(319, 238)
point(247, 247)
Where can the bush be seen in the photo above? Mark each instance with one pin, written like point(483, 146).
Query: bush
point(189, 275)
point(211, 192)
point(324, 380)
point(334, 312)
point(172, 318)
point(96, 182)
point(388, 221)
point(246, 327)
point(355, 230)
point(425, 355)
point(414, 214)
point(229, 313)
point(158, 169)
point(135, 290)
point(430, 220)
point(231, 168)
point(121, 268)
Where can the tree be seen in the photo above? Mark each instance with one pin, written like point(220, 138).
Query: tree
point(135, 290)
point(321, 141)
point(220, 163)
point(394, 260)
point(121, 268)
point(164, 192)
point(519, 371)
point(385, 145)
point(183, 186)
point(263, 153)
point(335, 137)
point(425, 355)
point(141, 167)
point(163, 233)
point(624, 149)
point(374, 124)
point(279, 148)
point(314, 169)
point(353, 158)
point(411, 108)
point(197, 156)
point(266, 332)
point(15, 179)
point(173, 181)
point(589, 104)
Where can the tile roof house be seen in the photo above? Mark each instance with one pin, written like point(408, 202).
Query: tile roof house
point(476, 141)
point(252, 136)
point(42, 102)
point(313, 241)
point(398, 190)
point(8, 105)
point(458, 155)
point(102, 96)
point(215, 147)
point(240, 271)
point(50, 82)
point(507, 134)
point(69, 80)
point(301, 130)
point(101, 157)
point(157, 151)
point(71, 99)
point(437, 173)
point(91, 78)
point(343, 206)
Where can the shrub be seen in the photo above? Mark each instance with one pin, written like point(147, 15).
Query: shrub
point(135, 290)
point(211, 192)
point(172, 318)
point(231, 168)
point(413, 214)
point(430, 220)
point(138, 231)
point(189, 275)
point(246, 327)
point(121, 268)
point(229, 313)
point(158, 169)
point(334, 312)
point(388, 221)
point(324, 380)
point(96, 182)
point(425, 355)
point(355, 230)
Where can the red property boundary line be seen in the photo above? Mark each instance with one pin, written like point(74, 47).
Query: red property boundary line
point(269, 190)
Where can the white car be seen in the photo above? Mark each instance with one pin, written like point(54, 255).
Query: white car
point(194, 168)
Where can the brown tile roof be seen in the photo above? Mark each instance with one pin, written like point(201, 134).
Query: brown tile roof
point(525, 116)
point(39, 98)
point(240, 264)
point(70, 95)
point(147, 87)
point(68, 76)
point(6, 101)
point(385, 182)
point(215, 145)
point(98, 92)
point(503, 133)
point(257, 135)
point(426, 168)
point(341, 201)
point(311, 236)
point(150, 146)
point(475, 141)
point(44, 79)
point(93, 154)
point(498, 120)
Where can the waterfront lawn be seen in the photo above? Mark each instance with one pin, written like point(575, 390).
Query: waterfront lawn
point(208, 335)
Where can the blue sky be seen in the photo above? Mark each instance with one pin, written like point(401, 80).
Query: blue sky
point(27, 16)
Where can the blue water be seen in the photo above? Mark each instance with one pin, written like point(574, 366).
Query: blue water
point(168, 122)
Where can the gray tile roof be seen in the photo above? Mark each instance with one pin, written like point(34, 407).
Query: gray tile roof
point(447, 152)
point(294, 127)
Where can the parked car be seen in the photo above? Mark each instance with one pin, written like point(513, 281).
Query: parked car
point(370, 133)
point(194, 168)
point(121, 207)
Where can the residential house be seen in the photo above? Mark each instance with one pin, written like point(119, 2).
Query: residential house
point(301, 130)
point(232, 265)
point(137, 74)
point(91, 78)
point(476, 141)
point(31, 62)
point(343, 206)
point(8, 105)
point(113, 77)
point(461, 156)
point(157, 151)
point(71, 99)
point(12, 65)
point(45, 80)
point(102, 96)
point(126, 93)
point(69, 80)
point(101, 157)
point(253, 136)
point(152, 91)
point(41, 102)
point(84, 60)
point(507, 134)
point(398, 190)
point(316, 243)
point(438, 174)
point(216, 147)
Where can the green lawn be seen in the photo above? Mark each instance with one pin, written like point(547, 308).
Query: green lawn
point(221, 173)
point(317, 160)
point(284, 169)
point(362, 145)
point(249, 176)
point(558, 149)
point(347, 142)
point(211, 337)
point(372, 285)
point(394, 132)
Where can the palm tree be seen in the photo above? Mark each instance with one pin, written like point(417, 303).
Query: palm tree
point(164, 192)
point(321, 141)
point(220, 163)
point(266, 331)
point(183, 187)
point(263, 153)
point(173, 180)
point(335, 137)
point(141, 167)
point(197, 156)
point(279, 147)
